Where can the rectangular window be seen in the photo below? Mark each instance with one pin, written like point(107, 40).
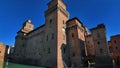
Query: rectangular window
point(49, 51)
point(115, 41)
point(63, 50)
point(72, 35)
point(52, 36)
point(73, 55)
point(23, 45)
point(98, 43)
point(47, 38)
point(116, 47)
point(50, 21)
point(101, 50)
point(63, 22)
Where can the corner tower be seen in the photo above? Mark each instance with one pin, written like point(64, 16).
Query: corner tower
point(55, 17)
point(99, 38)
point(102, 56)
point(20, 41)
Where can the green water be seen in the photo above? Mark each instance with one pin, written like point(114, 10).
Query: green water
point(13, 65)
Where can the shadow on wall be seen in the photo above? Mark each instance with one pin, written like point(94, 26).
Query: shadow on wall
point(65, 55)
point(65, 49)
point(84, 58)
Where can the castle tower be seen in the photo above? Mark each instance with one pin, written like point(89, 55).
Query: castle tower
point(55, 17)
point(99, 38)
point(102, 56)
point(75, 41)
point(19, 51)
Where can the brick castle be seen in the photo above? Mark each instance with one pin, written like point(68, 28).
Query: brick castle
point(62, 42)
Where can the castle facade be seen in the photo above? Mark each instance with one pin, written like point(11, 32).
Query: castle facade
point(61, 42)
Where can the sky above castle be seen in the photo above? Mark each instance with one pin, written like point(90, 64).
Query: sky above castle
point(13, 13)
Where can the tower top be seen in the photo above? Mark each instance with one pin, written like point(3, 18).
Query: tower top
point(55, 0)
point(27, 26)
point(56, 4)
point(52, 3)
point(98, 27)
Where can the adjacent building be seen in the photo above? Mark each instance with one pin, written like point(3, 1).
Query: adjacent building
point(114, 47)
point(2, 53)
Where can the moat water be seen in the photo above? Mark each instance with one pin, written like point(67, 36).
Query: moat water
point(13, 65)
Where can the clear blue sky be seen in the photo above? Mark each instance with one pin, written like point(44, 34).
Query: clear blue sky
point(13, 13)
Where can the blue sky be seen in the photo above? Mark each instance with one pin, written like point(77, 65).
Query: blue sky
point(13, 13)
